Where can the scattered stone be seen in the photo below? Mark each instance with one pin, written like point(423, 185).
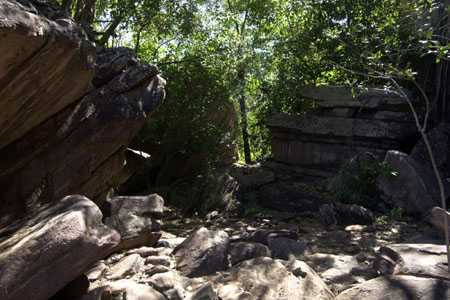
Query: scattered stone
point(166, 281)
point(203, 252)
point(96, 271)
point(134, 218)
point(152, 270)
point(424, 260)
point(176, 293)
point(130, 290)
point(206, 292)
point(264, 235)
point(150, 251)
point(264, 278)
point(170, 242)
point(345, 214)
point(127, 266)
point(158, 260)
point(52, 247)
point(283, 248)
point(399, 288)
point(242, 251)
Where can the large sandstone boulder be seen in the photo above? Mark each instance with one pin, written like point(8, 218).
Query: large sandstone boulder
point(64, 130)
point(52, 247)
point(399, 288)
point(413, 188)
point(436, 217)
point(135, 218)
point(33, 86)
point(267, 279)
point(439, 138)
point(203, 253)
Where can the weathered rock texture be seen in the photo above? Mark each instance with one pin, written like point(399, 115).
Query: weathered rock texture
point(423, 260)
point(340, 127)
point(266, 279)
point(68, 112)
point(399, 288)
point(52, 247)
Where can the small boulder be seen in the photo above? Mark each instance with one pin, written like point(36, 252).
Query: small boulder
point(135, 219)
point(204, 252)
point(242, 251)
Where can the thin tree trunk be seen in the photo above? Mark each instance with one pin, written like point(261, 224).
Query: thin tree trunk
point(137, 46)
point(84, 15)
point(109, 31)
point(244, 127)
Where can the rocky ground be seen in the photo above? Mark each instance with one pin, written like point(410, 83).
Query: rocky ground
point(275, 255)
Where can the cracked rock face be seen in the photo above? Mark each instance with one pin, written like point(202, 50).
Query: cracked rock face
point(68, 111)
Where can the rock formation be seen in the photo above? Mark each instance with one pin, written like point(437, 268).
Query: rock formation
point(68, 111)
point(341, 126)
point(67, 114)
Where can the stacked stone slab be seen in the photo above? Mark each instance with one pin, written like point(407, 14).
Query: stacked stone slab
point(342, 124)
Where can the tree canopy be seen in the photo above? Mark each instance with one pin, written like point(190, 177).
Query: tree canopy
point(256, 54)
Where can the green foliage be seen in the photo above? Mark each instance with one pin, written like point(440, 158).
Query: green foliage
point(355, 182)
point(194, 122)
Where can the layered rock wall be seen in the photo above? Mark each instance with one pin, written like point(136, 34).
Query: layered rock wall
point(341, 126)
